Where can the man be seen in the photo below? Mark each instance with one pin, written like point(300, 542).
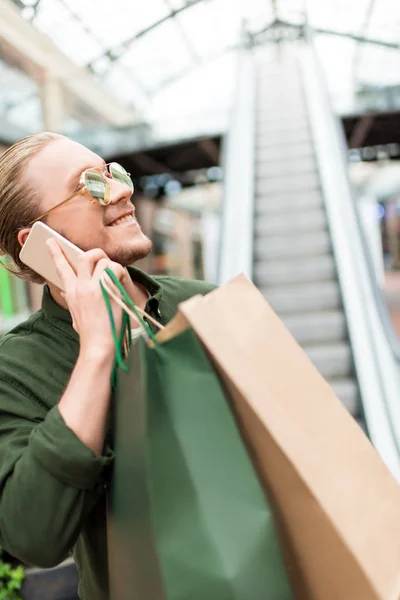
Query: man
point(55, 394)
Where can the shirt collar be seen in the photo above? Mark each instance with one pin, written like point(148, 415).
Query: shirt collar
point(55, 312)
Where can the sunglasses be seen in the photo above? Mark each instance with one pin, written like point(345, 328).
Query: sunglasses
point(96, 185)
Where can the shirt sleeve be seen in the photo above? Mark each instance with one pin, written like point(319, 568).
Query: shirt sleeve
point(49, 480)
point(60, 452)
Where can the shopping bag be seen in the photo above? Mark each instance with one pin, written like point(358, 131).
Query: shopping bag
point(188, 519)
point(336, 500)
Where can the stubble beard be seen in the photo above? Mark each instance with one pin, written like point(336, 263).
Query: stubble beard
point(125, 256)
point(128, 256)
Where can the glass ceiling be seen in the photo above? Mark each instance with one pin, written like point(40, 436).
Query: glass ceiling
point(174, 60)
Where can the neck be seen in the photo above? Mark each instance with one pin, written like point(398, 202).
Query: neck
point(56, 294)
point(137, 293)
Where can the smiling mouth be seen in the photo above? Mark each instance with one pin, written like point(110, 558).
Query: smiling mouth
point(122, 220)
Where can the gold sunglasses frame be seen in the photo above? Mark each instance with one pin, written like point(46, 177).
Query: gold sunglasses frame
point(83, 191)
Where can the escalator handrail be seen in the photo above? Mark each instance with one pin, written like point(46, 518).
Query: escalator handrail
point(376, 365)
point(236, 239)
point(381, 302)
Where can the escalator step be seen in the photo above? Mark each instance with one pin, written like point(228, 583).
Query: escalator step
point(272, 123)
point(318, 327)
point(299, 270)
point(274, 168)
point(347, 391)
point(281, 184)
point(331, 360)
point(311, 298)
point(285, 203)
point(289, 98)
point(309, 244)
point(286, 124)
point(295, 151)
point(290, 223)
point(284, 138)
point(272, 113)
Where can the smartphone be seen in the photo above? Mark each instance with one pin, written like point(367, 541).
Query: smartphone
point(35, 253)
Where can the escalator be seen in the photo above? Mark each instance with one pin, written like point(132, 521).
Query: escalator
point(293, 262)
point(291, 223)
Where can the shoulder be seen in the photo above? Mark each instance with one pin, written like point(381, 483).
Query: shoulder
point(21, 348)
point(183, 289)
point(18, 335)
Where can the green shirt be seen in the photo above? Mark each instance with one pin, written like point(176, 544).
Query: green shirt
point(52, 486)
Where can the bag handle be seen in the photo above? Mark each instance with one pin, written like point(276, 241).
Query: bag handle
point(121, 292)
point(112, 287)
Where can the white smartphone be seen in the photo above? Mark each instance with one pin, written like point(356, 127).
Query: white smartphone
point(35, 253)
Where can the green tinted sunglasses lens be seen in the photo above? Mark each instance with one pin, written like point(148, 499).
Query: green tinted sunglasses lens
point(97, 186)
point(119, 174)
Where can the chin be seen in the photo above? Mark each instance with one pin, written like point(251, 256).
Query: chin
point(128, 256)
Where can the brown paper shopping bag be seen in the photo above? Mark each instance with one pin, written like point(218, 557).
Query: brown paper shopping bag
point(337, 501)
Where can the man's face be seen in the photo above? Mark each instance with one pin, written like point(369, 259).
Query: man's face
point(55, 173)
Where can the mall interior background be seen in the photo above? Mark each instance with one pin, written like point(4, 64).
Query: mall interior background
point(153, 84)
point(260, 135)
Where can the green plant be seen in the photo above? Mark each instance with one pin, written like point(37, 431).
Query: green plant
point(10, 580)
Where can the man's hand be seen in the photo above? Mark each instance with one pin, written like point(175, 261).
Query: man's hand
point(85, 300)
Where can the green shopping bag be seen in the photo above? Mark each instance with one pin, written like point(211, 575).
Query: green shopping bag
point(188, 518)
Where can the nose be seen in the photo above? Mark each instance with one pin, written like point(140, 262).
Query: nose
point(119, 191)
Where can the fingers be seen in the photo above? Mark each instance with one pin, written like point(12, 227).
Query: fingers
point(63, 268)
point(88, 261)
point(91, 265)
point(118, 270)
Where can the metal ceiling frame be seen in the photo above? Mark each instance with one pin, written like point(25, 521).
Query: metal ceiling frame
point(363, 30)
point(257, 38)
point(114, 53)
point(187, 41)
point(252, 39)
point(21, 6)
point(99, 41)
point(359, 38)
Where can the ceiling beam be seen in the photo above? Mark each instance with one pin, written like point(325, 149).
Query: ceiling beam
point(150, 164)
point(362, 39)
point(34, 53)
point(273, 31)
point(210, 149)
point(363, 30)
point(361, 130)
point(99, 41)
point(114, 53)
point(187, 40)
point(358, 38)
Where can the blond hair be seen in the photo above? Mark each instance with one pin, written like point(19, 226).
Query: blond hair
point(18, 199)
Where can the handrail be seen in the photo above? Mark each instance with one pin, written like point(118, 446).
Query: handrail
point(381, 303)
point(236, 241)
point(376, 365)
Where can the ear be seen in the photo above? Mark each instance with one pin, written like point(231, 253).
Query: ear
point(22, 235)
